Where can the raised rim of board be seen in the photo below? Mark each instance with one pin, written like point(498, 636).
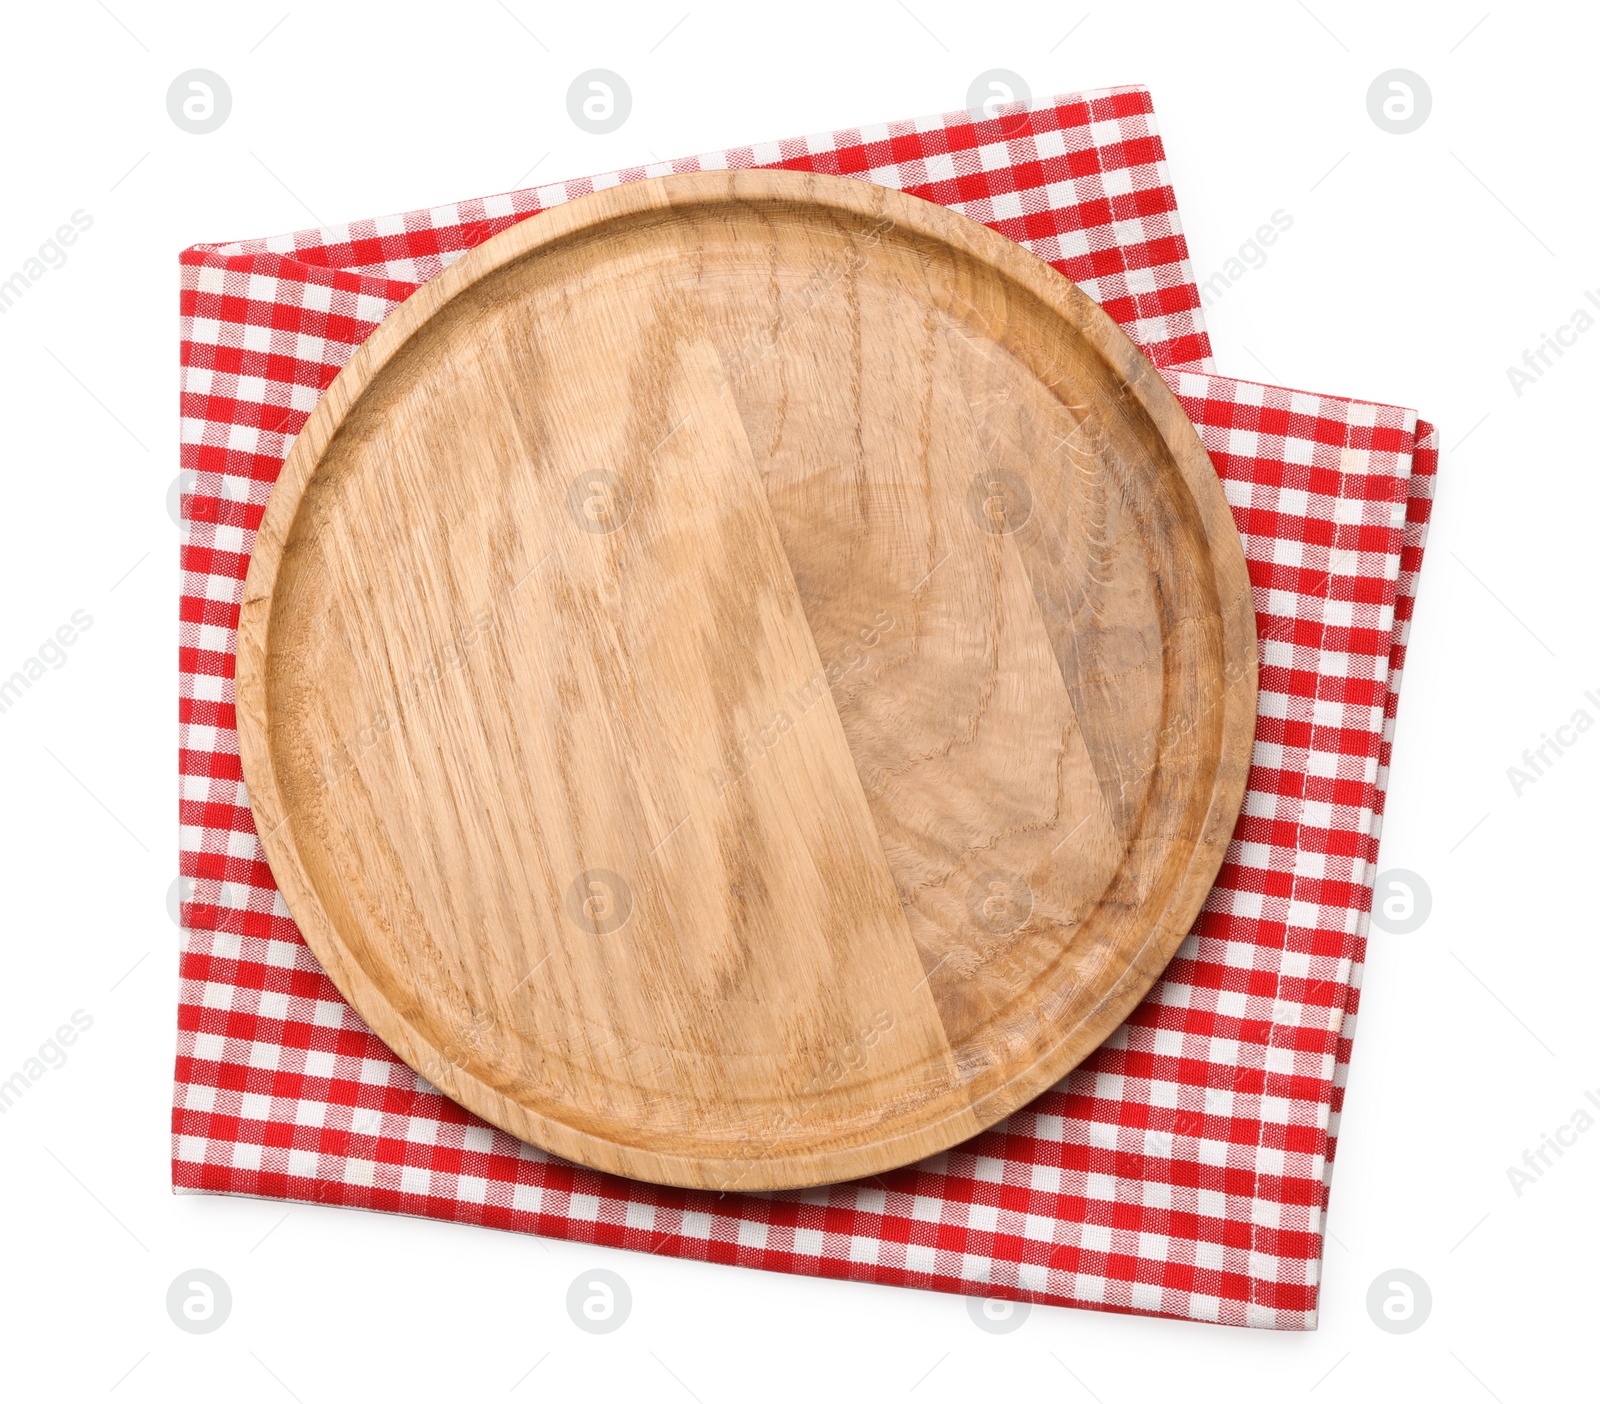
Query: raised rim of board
point(837, 195)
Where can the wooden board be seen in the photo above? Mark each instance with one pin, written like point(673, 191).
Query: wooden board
point(746, 679)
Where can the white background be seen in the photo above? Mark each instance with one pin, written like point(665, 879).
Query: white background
point(1415, 273)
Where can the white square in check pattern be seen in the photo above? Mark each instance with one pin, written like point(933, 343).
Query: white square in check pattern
point(1232, 1004)
point(205, 331)
point(1248, 905)
point(926, 1209)
point(1322, 763)
point(695, 1225)
point(1050, 144)
point(264, 1056)
point(983, 1217)
point(1167, 1043)
point(1046, 1179)
point(1005, 205)
point(255, 338)
point(1307, 863)
point(1033, 1277)
point(1039, 1227)
point(1222, 1052)
point(1075, 243)
point(1145, 1296)
point(1300, 451)
point(1140, 281)
point(1315, 814)
point(1157, 1194)
point(1118, 181)
point(477, 1139)
point(194, 787)
point(422, 1130)
point(1279, 1060)
point(1127, 233)
point(312, 350)
point(994, 156)
point(325, 1014)
point(1242, 442)
point(1096, 1238)
point(1101, 1136)
point(1163, 1094)
point(1241, 953)
point(1099, 1187)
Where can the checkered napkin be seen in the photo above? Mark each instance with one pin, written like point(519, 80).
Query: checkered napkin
point(1182, 1169)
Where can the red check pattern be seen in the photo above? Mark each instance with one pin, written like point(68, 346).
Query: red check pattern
point(1181, 1170)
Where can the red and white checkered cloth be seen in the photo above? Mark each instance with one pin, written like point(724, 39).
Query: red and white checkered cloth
point(1182, 1169)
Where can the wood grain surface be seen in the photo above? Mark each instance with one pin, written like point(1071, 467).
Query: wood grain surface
point(746, 679)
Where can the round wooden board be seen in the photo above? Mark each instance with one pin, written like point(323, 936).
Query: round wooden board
point(746, 679)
